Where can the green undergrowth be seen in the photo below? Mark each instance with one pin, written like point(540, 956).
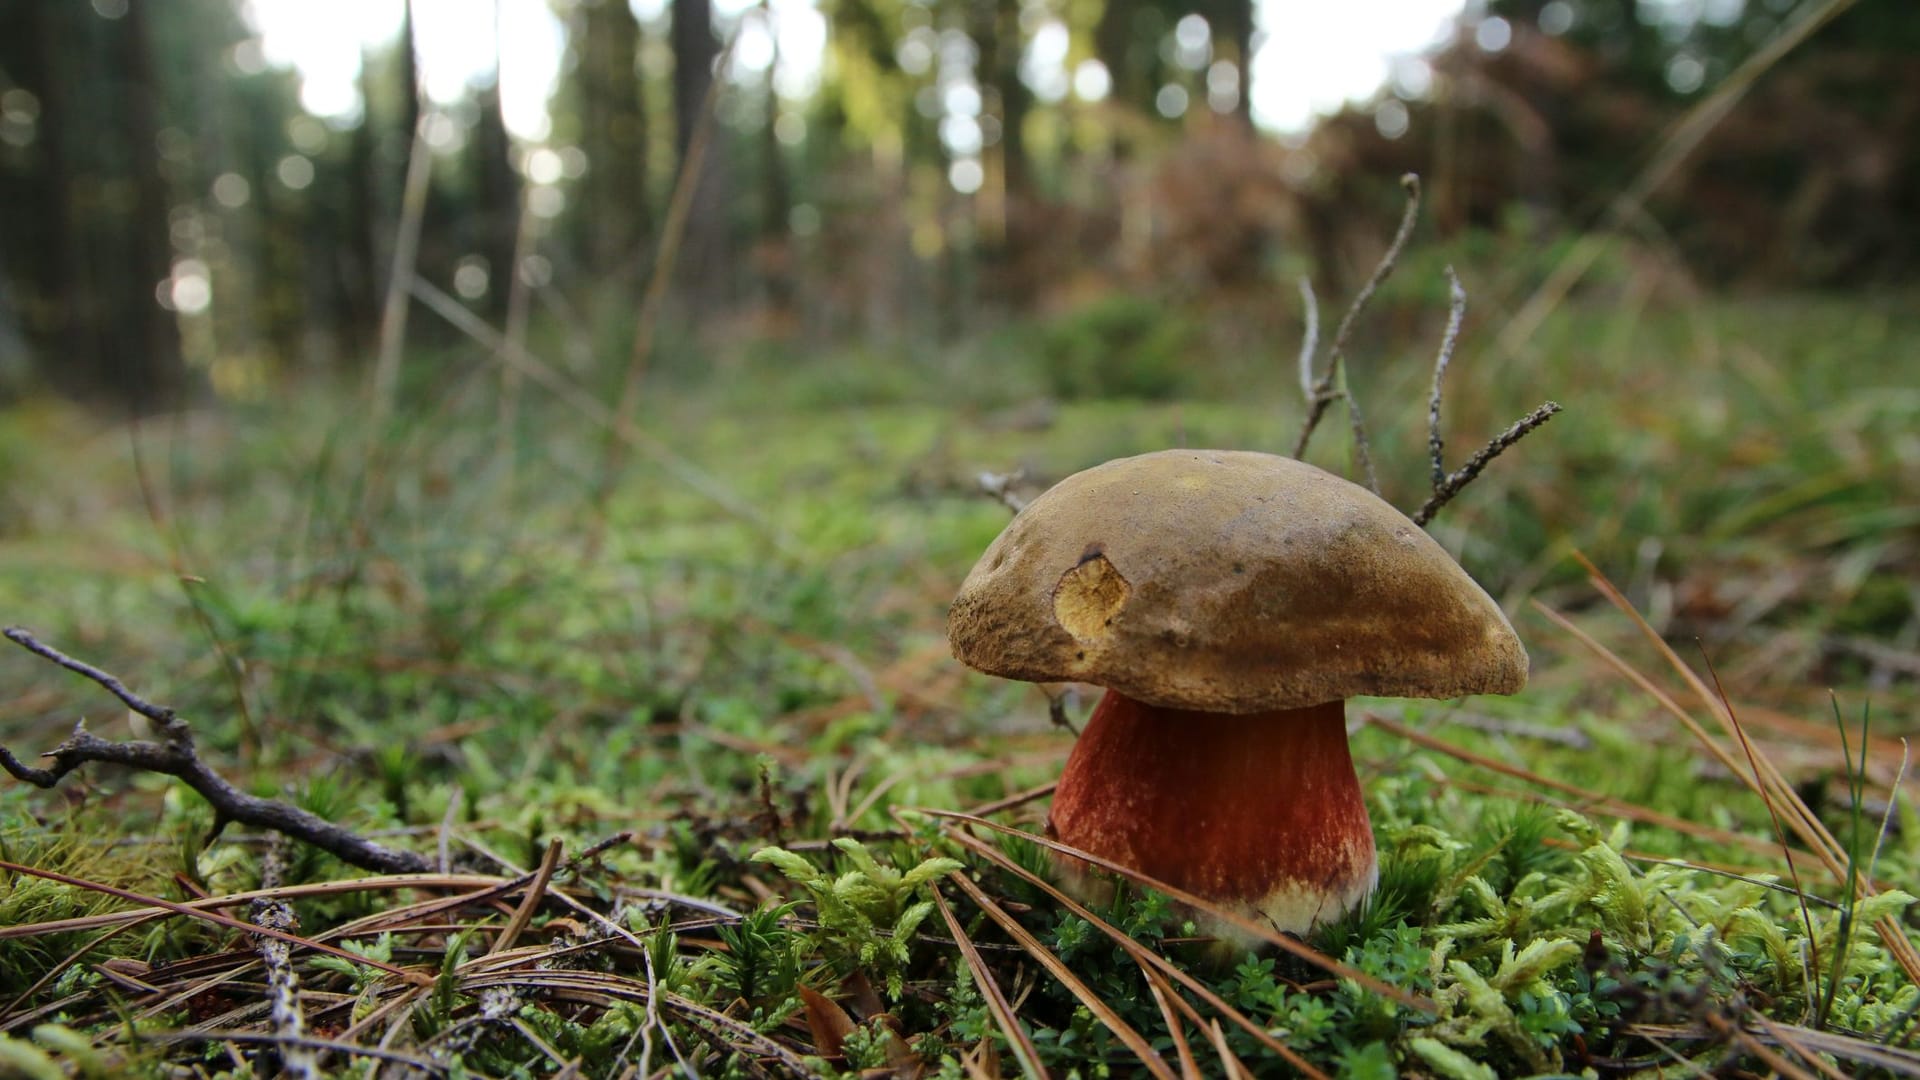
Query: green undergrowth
point(738, 657)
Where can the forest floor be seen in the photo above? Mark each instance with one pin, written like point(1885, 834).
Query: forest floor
point(587, 704)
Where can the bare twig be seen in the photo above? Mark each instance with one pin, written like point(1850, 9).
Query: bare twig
point(1456, 314)
point(1361, 449)
point(406, 248)
point(1323, 393)
point(156, 713)
point(999, 486)
point(175, 756)
point(1310, 338)
point(1444, 492)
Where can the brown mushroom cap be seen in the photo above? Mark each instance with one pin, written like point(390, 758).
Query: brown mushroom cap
point(1229, 581)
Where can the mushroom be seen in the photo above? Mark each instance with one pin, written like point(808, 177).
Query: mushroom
point(1229, 602)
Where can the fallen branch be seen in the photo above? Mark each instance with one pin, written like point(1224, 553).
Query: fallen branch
point(174, 755)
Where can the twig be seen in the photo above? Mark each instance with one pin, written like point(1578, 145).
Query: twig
point(297, 1058)
point(406, 248)
point(156, 713)
point(999, 487)
point(1444, 492)
point(1322, 392)
point(1310, 338)
point(1456, 315)
point(175, 756)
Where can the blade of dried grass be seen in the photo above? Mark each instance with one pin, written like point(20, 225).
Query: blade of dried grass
point(1164, 997)
point(1775, 1060)
point(530, 903)
point(1230, 1066)
point(1591, 799)
point(347, 1049)
point(66, 962)
point(1780, 834)
point(1897, 1061)
point(1018, 798)
point(1134, 949)
point(1785, 1038)
point(209, 916)
point(1102, 1011)
point(382, 883)
point(1240, 922)
point(1677, 142)
point(1807, 825)
point(1022, 1045)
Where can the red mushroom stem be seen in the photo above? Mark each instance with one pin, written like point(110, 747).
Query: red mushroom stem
point(1259, 812)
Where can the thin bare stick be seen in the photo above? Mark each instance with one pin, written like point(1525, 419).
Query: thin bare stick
point(406, 249)
point(175, 756)
point(1361, 449)
point(1322, 393)
point(591, 407)
point(1456, 315)
point(1444, 492)
point(672, 232)
point(519, 301)
point(999, 487)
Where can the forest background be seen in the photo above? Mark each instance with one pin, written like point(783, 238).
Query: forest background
point(571, 503)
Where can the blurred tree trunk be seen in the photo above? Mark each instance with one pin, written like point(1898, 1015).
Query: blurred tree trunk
point(1015, 99)
point(360, 254)
point(703, 272)
point(144, 366)
point(613, 133)
point(996, 29)
point(1116, 45)
point(57, 302)
point(776, 205)
point(409, 87)
point(497, 187)
point(1233, 28)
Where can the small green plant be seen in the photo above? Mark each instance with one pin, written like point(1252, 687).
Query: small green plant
point(866, 912)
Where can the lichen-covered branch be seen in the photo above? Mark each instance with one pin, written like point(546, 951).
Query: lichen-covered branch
point(174, 755)
point(1450, 486)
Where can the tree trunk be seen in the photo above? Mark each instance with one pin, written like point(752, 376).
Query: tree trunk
point(497, 189)
point(613, 132)
point(146, 369)
point(1233, 37)
point(703, 272)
